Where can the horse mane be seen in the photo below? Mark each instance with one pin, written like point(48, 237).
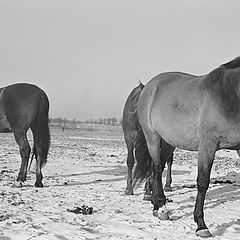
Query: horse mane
point(222, 83)
point(235, 63)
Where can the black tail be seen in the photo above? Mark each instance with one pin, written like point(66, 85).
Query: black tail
point(33, 155)
point(144, 166)
point(41, 132)
point(43, 126)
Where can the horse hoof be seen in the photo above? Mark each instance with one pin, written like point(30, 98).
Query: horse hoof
point(38, 185)
point(162, 215)
point(168, 188)
point(155, 213)
point(204, 233)
point(17, 184)
point(128, 192)
point(147, 197)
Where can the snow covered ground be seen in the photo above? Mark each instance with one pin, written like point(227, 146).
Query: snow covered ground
point(88, 166)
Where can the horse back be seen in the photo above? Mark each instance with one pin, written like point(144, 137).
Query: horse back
point(20, 103)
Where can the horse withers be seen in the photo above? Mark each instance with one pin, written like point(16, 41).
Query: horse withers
point(197, 113)
point(130, 127)
point(24, 106)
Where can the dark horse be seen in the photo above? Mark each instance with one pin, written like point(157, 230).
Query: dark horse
point(24, 106)
point(131, 126)
point(198, 113)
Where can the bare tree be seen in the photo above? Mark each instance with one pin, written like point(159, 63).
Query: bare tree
point(114, 121)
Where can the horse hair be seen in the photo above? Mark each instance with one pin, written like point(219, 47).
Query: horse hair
point(235, 63)
point(144, 166)
point(222, 84)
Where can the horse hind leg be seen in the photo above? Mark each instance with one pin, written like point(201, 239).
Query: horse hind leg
point(206, 153)
point(168, 183)
point(130, 164)
point(39, 175)
point(148, 189)
point(158, 197)
point(24, 148)
point(38, 157)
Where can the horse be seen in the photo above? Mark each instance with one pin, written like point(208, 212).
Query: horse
point(24, 106)
point(196, 113)
point(130, 127)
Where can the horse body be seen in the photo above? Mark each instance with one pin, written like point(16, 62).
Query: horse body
point(171, 112)
point(183, 112)
point(24, 106)
point(199, 113)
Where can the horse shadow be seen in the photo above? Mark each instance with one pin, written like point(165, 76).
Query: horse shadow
point(118, 171)
point(221, 190)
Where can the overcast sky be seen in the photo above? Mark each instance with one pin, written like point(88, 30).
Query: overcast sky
point(88, 54)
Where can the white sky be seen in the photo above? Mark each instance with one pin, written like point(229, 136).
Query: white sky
point(88, 54)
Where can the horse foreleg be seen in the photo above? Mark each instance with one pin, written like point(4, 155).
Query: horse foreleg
point(206, 153)
point(167, 186)
point(130, 164)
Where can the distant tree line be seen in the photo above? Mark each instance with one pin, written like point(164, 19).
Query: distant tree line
point(66, 123)
point(103, 121)
point(63, 122)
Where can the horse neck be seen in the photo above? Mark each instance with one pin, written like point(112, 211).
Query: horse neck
point(232, 80)
point(237, 76)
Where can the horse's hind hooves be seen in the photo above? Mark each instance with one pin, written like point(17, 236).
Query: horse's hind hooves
point(204, 233)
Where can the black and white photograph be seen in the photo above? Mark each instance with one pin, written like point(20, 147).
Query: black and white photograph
point(119, 120)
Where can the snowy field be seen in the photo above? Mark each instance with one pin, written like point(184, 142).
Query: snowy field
point(88, 167)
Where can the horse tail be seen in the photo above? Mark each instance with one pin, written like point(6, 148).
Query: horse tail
point(33, 154)
point(141, 85)
point(41, 129)
point(144, 166)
